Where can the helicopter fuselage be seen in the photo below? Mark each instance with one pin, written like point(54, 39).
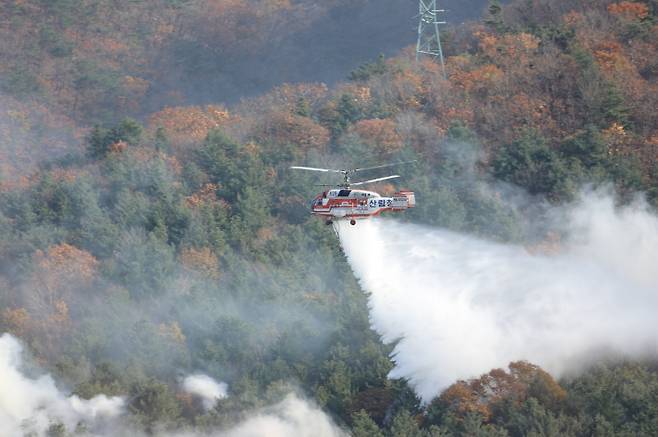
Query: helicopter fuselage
point(352, 204)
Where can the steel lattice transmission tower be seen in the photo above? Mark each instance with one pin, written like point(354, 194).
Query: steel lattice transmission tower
point(429, 38)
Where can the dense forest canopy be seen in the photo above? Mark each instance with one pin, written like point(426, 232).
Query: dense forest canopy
point(147, 236)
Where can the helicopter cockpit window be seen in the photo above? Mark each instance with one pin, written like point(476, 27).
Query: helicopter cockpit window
point(344, 193)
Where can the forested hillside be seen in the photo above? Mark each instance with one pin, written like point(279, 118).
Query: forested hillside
point(100, 61)
point(145, 237)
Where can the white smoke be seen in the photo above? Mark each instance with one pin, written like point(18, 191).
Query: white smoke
point(291, 417)
point(30, 406)
point(462, 306)
point(206, 388)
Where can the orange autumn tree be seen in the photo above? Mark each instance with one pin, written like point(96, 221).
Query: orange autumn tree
point(478, 79)
point(379, 135)
point(16, 321)
point(629, 10)
point(482, 395)
point(283, 128)
point(185, 125)
point(61, 268)
point(202, 262)
point(207, 194)
point(172, 332)
point(294, 98)
point(404, 89)
point(47, 295)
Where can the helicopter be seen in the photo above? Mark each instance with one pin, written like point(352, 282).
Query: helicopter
point(342, 202)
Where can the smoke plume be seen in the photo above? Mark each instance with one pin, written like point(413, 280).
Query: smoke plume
point(31, 405)
point(205, 388)
point(460, 306)
point(291, 417)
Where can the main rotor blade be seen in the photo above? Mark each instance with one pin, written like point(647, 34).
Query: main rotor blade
point(383, 166)
point(375, 180)
point(323, 170)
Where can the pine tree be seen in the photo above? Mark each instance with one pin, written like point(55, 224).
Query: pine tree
point(494, 17)
point(364, 426)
